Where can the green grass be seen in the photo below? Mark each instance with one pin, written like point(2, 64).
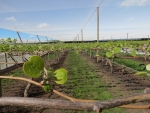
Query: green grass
point(130, 63)
point(50, 56)
point(16, 73)
point(84, 83)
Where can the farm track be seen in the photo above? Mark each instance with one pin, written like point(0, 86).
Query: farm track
point(118, 83)
point(17, 90)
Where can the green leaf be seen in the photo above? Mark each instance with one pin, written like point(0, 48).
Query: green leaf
point(6, 47)
point(34, 66)
point(47, 87)
point(148, 67)
point(51, 69)
point(141, 73)
point(9, 40)
point(133, 53)
point(77, 52)
point(117, 49)
point(148, 49)
point(50, 73)
point(108, 54)
point(60, 76)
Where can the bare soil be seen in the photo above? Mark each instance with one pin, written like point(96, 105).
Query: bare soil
point(17, 90)
point(120, 84)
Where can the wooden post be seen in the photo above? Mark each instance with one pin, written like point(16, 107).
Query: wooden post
point(19, 37)
point(97, 24)
point(6, 59)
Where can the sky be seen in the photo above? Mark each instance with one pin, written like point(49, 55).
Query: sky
point(64, 19)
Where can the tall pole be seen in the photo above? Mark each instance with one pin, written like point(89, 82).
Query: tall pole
point(19, 37)
point(127, 36)
point(82, 35)
point(27, 42)
point(38, 39)
point(97, 24)
point(47, 40)
point(78, 38)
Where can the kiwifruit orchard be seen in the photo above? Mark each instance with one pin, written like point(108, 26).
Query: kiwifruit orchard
point(107, 77)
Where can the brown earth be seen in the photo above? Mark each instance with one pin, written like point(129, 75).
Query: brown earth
point(120, 84)
point(17, 90)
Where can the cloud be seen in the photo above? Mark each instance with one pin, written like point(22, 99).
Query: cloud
point(135, 2)
point(130, 19)
point(43, 25)
point(32, 36)
point(11, 19)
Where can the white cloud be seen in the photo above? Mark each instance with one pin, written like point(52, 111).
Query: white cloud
point(32, 36)
point(43, 25)
point(135, 2)
point(11, 18)
point(130, 19)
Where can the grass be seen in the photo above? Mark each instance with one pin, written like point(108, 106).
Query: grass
point(84, 83)
point(130, 63)
point(7, 82)
point(50, 56)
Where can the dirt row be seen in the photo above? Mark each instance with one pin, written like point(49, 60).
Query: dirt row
point(17, 90)
point(120, 84)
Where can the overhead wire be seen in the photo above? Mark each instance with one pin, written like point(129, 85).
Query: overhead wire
point(90, 17)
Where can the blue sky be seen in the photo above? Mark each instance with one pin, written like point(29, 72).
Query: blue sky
point(64, 19)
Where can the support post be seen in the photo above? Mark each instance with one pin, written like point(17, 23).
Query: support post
point(81, 35)
point(6, 59)
point(19, 37)
point(27, 42)
point(47, 40)
point(97, 24)
point(38, 39)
